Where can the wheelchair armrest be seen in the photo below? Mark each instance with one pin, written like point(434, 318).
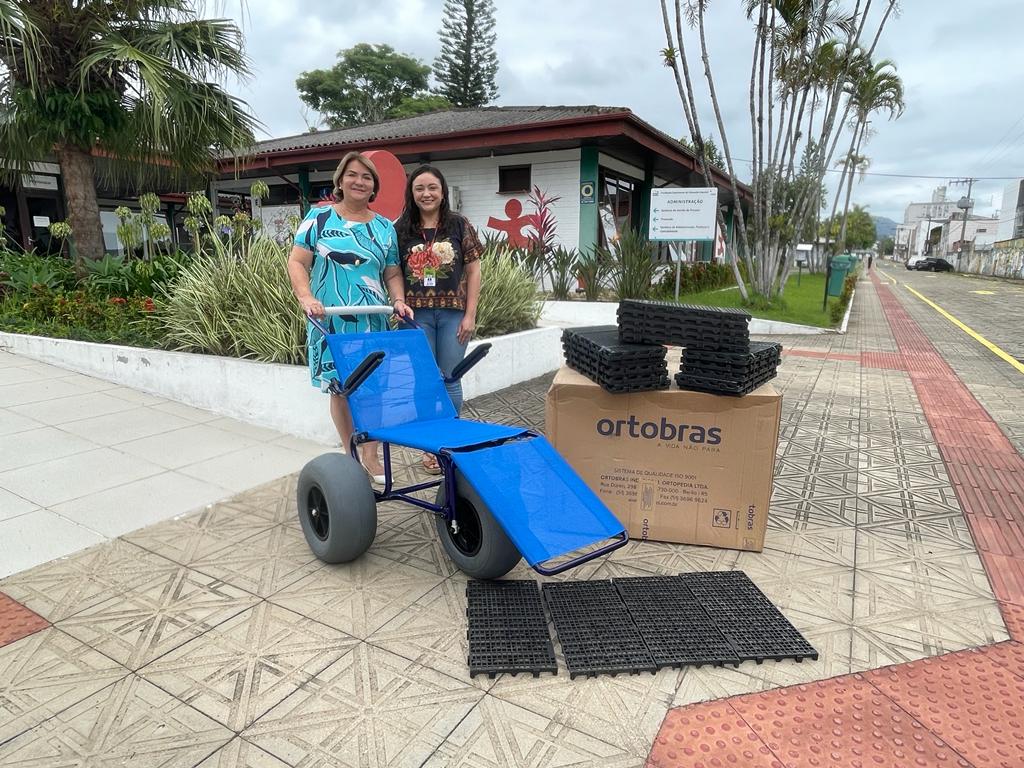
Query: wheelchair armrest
point(361, 373)
point(468, 362)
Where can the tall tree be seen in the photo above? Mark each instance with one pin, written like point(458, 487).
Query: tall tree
point(137, 83)
point(467, 63)
point(368, 84)
point(801, 58)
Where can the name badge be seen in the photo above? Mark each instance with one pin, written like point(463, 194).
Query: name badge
point(430, 277)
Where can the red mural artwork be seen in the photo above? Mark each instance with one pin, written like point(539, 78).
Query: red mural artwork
point(513, 226)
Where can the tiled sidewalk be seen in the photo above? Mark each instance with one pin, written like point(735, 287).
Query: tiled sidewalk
point(959, 709)
point(217, 640)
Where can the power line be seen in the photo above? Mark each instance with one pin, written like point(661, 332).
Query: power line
point(944, 177)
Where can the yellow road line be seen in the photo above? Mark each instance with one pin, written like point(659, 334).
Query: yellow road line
point(969, 331)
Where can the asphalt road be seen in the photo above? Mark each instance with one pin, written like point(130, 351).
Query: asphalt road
point(993, 310)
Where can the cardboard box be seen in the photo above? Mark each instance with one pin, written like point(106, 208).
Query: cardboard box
point(673, 465)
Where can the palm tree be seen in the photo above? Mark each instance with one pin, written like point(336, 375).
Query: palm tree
point(873, 89)
point(135, 82)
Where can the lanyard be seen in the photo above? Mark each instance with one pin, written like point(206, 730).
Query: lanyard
point(428, 245)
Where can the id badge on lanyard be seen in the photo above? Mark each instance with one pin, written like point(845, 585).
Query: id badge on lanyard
point(429, 273)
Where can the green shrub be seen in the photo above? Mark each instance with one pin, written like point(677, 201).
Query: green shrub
point(224, 305)
point(695, 277)
point(21, 272)
point(562, 269)
point(634, 269)
point(593, 267)
point(508, 294)
point(82, 315)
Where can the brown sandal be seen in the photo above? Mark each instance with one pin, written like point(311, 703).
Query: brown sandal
point(430, 465)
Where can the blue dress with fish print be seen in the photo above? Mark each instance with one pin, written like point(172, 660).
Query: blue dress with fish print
point(349, 258)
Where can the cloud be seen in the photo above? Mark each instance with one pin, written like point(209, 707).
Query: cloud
point(960, 70)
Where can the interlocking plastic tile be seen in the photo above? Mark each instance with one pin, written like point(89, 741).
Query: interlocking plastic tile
point(762, 354)
point(595, 630)
point(754, 627)
point(507, 629)
point(17, 621)
point(708, 735)
point(676, 629)
point(844, 721)
point(720, 386)
point(969, 700)
point(618, 367)
point(685, 325)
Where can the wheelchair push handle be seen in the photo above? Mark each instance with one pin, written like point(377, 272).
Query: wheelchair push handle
point(361, 309)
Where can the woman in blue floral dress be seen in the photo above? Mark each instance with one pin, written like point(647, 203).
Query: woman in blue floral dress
point(345, 254)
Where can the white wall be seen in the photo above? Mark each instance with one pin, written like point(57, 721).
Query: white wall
point(1008, 210)
point(557, 173)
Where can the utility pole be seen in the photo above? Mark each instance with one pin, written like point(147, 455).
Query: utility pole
point(964, 204)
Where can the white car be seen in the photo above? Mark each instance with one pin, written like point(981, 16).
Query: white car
point(913, 261)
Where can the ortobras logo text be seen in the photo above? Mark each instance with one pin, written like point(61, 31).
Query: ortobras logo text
point(664, 430)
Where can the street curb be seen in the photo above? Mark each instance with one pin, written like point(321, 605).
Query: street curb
point(849, 309)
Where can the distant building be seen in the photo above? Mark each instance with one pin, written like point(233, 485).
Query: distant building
point(937, 209)
point(1011, 215)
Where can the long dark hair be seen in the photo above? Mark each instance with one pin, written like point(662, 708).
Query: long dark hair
point(409, 223)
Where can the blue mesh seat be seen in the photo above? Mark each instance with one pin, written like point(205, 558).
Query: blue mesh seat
point(545, 508)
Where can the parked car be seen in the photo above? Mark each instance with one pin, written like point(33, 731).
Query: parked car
point(935, 264)
point(913, 261)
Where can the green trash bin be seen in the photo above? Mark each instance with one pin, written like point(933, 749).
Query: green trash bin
point(841, 266)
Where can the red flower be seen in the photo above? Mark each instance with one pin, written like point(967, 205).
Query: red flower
point(118, 300)
point(148, 305)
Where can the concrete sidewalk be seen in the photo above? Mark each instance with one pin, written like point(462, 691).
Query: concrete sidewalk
point(83, 461)
point(216, 639)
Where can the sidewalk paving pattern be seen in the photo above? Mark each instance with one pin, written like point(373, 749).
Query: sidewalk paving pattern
point(216, 639)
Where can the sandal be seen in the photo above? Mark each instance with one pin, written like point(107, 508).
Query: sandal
point(430, 465)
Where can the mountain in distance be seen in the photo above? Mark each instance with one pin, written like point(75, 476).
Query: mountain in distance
point(884, 227)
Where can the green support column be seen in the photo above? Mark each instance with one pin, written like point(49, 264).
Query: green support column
point(644, 213)
point(305, 188)
point(588, 203)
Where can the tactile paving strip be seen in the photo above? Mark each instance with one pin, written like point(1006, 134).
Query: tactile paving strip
point(676, 628)
point(17, 621)
point(754, 627)
point(508, 631)
point(596, 632)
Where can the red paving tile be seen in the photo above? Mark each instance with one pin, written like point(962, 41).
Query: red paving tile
point(1013, 615)
point(967, 699)
point(844, 721)
point(961, 709)
point(890, 360)
point(708, 735)
point(17, 621)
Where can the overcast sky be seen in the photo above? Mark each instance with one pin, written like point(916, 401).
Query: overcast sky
point(961, 64)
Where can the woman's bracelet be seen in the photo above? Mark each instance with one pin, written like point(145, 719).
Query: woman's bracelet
point(393, 303)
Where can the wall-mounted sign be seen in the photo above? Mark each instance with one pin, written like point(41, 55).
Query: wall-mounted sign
point(40, 221)
point(38, 181)
point(587, 190)
point(683, 213)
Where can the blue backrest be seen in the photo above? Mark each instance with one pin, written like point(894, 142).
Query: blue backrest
point(406, 387)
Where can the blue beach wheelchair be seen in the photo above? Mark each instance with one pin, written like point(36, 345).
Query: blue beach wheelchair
point(504, 493)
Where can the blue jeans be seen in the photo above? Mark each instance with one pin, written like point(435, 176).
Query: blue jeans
point(442, 329)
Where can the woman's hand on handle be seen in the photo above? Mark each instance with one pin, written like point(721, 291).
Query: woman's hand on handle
point(312, 307)
point(403, 310)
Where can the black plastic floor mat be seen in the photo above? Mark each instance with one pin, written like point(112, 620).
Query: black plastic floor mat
point(675, 627)
point(683, 325)
point(508, 631)
point(595, 630)
point(750, 622)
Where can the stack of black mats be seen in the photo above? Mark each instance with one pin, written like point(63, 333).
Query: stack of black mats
point(617, 366)
point(729, 373)
point(719, 356)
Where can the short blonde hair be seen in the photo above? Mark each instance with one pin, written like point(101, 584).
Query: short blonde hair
point(349, 158)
